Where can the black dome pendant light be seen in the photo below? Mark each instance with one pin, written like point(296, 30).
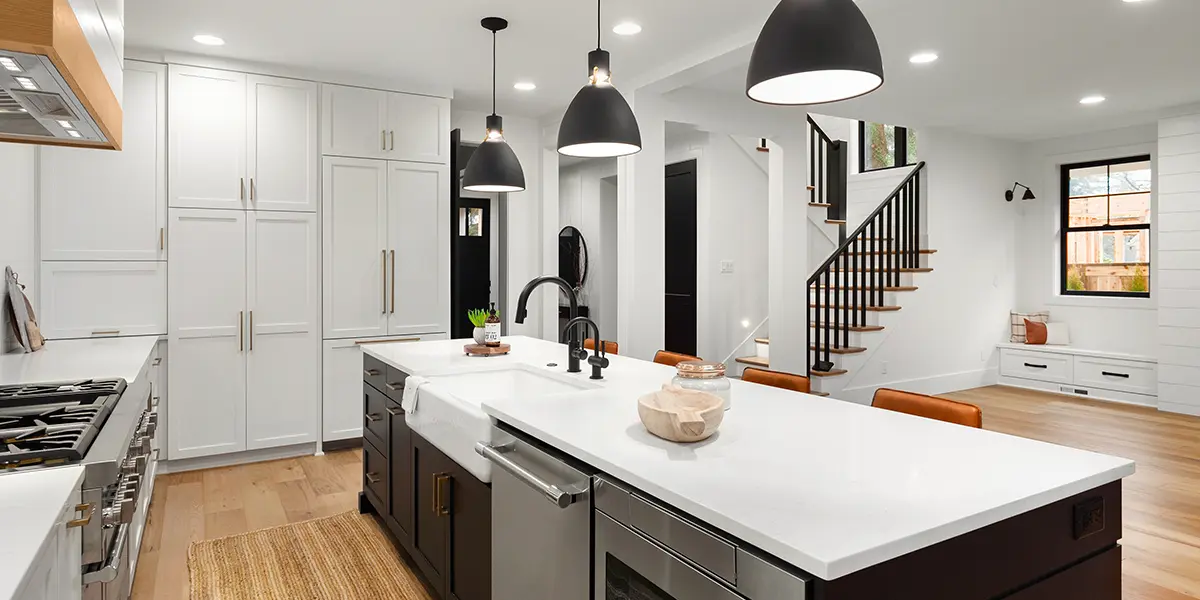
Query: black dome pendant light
point(813, 52)
point(494, 166)
point(599, 122)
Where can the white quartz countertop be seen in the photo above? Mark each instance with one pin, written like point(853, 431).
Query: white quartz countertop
point(65, 360)
point(830, 487)
point(31, 505)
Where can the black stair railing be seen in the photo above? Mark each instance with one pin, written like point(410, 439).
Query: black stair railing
point(827, 173)
point(854, 278)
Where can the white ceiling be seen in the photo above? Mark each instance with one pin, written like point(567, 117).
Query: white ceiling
point(1012, 68)
point(441, 42)
point(1017, 68)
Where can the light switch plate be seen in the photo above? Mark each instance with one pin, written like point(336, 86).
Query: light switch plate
point(727, 266)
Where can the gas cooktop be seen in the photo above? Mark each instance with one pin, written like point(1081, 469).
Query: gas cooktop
point(53, 423)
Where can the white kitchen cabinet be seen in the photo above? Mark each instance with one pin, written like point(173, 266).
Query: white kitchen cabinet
point(207, 371)
point(57, 572)
point(397, 281)
point(355, 202)
point(207, 138)
point(282, 357)
point(342, 382)
point(101, 299)
point(354, 121)
point(366, 123)
point(420, 126)
point(111, 205)
point(281, 116)
point(243, 338)
point(158, 397)
point(419, 248)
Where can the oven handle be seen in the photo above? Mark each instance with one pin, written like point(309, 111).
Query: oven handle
point(111, 569)
point(552, 492)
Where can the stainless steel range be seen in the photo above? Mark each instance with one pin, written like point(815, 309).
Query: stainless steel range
point(107, 428)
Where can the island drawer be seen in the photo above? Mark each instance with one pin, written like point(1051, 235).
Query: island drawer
point(1097, 578)
point(375, 476)
point(375, 418)
point(1042, 366)
point(374, 372)
point(393, 383)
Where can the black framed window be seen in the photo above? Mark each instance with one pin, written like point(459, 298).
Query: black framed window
point(885, 146)
point(1106, 209)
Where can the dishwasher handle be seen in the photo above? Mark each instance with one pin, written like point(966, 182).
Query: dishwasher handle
point(496, 454)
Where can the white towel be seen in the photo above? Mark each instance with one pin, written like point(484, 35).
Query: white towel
point(409, 400)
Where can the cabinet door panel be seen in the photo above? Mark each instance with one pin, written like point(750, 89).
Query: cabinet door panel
point(207, 138)
point(89, 299)
point(355, 207)
point(281, 130)
point(470, 576)
point(111, 205)
point(207, 371)
point(429, 539)
point(418, 128)
point(355, 121)
point(400, 462)
point(419, 232)
point(282, 341)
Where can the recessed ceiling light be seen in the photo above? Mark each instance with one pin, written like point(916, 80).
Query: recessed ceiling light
point(66, 125)
point(627, 28)
point(10, 64)
point(1092, 99)
point(525, 86)
point(26, 83)
point(74, 134)
point(922, 58)
point(208, 40)
point(1133, 1)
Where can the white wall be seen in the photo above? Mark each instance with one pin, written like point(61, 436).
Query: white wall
point(1178, 187)
point(944, 338)
point(18, 226)
point(1110, 324)
point(522, 211)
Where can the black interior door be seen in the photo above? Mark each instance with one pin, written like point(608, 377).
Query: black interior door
point(472, 267)
point(680, 240)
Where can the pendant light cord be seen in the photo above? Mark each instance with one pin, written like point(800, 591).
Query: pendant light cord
point(493, 72)
point(597, 24)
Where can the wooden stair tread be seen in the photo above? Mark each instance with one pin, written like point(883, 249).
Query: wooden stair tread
point(889, 288)
point(854, 328)
point(866, 308)
point(877, 269)
point(846, 350)
point(923, 251)
point(819, 204)
point(835, 221)
point(812, 188)
point(754, 360)
point(830, 373)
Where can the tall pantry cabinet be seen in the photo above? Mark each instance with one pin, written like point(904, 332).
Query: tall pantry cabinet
point(245, 270)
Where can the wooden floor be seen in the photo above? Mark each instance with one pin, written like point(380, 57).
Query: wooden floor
point(1162, 501)
point(203, 505)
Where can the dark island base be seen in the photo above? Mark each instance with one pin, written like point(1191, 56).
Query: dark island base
point(1063, 551)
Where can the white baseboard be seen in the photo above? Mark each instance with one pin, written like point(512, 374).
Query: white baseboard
point(1092, 393)
point(938, 384)
point(236, 458)
point(1183, 409)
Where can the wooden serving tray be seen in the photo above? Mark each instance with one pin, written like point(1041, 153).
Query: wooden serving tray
point(482, 350)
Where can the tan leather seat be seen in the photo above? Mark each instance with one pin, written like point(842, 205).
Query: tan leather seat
point(609, 347)
point(929, 407)
point(787, 381)
point(671, 359)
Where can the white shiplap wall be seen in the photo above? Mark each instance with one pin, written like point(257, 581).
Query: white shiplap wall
point(1179, 264)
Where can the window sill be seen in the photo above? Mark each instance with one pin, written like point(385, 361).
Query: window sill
point(878, 174)
point(1103, 302)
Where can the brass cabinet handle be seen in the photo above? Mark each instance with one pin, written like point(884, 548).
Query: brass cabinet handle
point(162, 238)
point(157, 361)
point(373, 417)
point(241, 331)
point(383, 139)
point(371, 372)
point(393, 282)
point(393, 387)
point(383, 278)
point(88, 510)
point(107, 332)
point(372, 478)
point(395, 341)
point(394, 412)
point(251, 331)
point(241, 188)
point(439, 504)
point(252, 189)
point(393, 134)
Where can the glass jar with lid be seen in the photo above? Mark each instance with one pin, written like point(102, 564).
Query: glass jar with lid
point(703, 376)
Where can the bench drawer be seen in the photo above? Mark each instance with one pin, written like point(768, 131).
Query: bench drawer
point(1115, 374)
point(1042, 366)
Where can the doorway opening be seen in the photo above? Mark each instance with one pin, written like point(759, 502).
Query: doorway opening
point(477, 242)
point(680, 250)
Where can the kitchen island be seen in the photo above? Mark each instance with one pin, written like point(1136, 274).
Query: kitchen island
point(865, 503)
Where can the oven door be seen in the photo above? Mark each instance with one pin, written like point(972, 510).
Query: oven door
point(632, 566)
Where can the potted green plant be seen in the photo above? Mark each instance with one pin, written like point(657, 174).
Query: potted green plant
point(478, 318)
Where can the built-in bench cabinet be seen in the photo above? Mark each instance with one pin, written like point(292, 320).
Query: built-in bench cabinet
point(1064, 369)
point(440, 514)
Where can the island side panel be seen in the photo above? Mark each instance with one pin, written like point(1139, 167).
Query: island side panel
point(1004, 558)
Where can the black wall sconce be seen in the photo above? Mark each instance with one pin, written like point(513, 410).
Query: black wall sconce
point(1010, 194)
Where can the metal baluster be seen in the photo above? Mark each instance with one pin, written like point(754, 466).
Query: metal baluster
point(828, 316)
point(912, 220)
point(821, 164)
point(893, 254)
point(917, 208)
point(845, 301)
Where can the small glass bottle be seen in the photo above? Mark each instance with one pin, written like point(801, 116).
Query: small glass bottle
point(491, 329)
point(703, 376)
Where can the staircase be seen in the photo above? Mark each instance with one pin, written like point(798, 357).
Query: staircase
point(856, 292)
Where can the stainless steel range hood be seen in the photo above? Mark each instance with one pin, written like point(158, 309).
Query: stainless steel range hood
point(60, 72)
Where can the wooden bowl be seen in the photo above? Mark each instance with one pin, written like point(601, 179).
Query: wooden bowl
point(680, 415)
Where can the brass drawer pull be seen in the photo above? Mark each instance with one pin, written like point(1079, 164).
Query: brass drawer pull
point(88, 510)
point(370, 372)
point(440, 509)
point(372, 478)
point(393, 387)
point(393, 252)
point(107, 332)
point(383, 278)
point(396, 341)
point(394, 412)
point(373, 417)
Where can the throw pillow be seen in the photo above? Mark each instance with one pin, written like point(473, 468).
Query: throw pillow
point(1018, 324)
point(1057, 334)
point(1035, 333)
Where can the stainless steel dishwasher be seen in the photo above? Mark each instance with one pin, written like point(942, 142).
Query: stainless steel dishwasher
point(541, 522)
point(646, 551)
